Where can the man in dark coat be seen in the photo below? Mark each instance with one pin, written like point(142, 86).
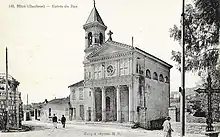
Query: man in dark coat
point(63, 121)
point(54, 119)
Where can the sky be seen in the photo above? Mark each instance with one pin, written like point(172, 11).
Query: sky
point(46, 45)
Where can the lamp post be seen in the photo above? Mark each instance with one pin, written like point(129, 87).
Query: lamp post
point(182, 110)
point(6, 90)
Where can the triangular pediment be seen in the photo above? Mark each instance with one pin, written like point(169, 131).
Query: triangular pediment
point(110, 48)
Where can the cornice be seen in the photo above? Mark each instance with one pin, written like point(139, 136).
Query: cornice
point(109, 81)
point(94, 24)
point(110, 56)
point(120, 44)
point(153, 58)
point(92, 48)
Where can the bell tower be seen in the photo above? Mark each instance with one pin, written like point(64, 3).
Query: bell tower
point(94, 31)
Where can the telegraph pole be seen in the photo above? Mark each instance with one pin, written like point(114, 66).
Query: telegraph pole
point(182, 108)
point(6, 89)
point(27, 100)
point(27, 113)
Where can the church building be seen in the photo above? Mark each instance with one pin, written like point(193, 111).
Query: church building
point(122, 83)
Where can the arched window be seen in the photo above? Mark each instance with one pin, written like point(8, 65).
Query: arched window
point(107, 103)
point(100, 38)
point(161, 78)
point(73, 94)
point(148, 74)
point(166, 79)
point(90, 39)
point(155, 77)
point(137, 68)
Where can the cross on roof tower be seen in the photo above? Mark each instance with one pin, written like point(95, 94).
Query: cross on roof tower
point(110, 34)
point(94, 2)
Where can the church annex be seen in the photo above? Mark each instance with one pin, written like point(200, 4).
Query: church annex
point(121, 83)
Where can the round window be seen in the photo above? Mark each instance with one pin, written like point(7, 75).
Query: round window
point(110, 70)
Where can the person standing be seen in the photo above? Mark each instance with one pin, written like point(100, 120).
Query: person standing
point(54, 121)
point(167, 128)
point(63, 121)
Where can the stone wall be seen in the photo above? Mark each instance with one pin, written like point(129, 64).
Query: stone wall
point(174, 114)
point(192, 119)
point(157, 100)
point(193, 128)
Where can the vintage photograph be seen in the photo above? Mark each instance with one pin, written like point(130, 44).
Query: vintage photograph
point(126, 68)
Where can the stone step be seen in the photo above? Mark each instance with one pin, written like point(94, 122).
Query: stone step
point(128, 125)
point(111, 123)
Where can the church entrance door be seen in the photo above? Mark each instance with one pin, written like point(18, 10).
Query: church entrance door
point(89, 113)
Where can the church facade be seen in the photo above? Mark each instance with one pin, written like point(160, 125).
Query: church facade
point(121, 82)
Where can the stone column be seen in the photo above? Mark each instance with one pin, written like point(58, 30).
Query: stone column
point(118, 104)
point(86, 40)
point(95, 38)
point(93, 113)
point(25, 116)
point(131, 104)
point(103, 104)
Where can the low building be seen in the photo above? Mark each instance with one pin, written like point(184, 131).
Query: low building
point(58, 107)
point(32, 111)
point(80, 100)
point(15, 110)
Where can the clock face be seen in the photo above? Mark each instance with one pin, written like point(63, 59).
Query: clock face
point(110, 70)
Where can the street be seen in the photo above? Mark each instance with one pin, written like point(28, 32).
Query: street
point(73, 130)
